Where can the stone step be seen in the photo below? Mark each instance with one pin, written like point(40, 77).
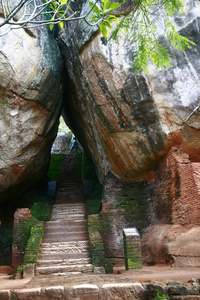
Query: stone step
point(65, 251)
point(68, 212)
point(74, 200)
point(65, 206)
point(67, 235)
point(68, 199)
point(61, 249)
point(69, 208)
point(65, 244)
point(69, 195)
point(6, 276)
point(69, 191)
point(70, 183)
point(65, 224)
point(86, 268)
point(67, 218)
point(61, 262)
point(70, 186)
point(63, 256)
point(71, 200)
point(58, 239)
point(63, 230)
point(73, 187)
point(67, 274)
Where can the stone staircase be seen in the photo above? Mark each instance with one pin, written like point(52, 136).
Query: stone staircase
point(65, 246)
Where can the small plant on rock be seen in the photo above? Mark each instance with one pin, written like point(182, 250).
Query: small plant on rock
point(161, 296)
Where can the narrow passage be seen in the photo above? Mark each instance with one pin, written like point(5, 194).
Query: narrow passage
point(65, 247)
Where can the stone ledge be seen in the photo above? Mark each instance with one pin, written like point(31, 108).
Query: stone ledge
point(110, 291)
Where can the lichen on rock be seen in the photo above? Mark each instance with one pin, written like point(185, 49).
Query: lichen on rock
point(30, 101)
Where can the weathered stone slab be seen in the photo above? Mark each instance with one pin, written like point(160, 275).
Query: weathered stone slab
point(5, 294)
point(54, 292)
point(27, 294)
point(28, 271)
point(122, 291)
point(83, 292)
point(63, 269)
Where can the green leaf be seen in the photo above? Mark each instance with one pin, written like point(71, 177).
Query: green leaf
point(112, 18)
point(108, 25)
point(113, 6)
point(51, 26)
point(103, 30)
point(93, 16)
point(96, 8)
point(105, 4)
point(61, 24)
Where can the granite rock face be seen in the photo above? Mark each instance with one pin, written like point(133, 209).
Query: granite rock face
point(128, 123)
point(174, 244)
point(30, 100)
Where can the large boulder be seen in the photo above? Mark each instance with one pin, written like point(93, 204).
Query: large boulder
point(30, 102)
point(174, 244)
point(128, 123)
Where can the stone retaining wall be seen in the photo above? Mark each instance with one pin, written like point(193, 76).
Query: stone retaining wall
point(23, 221)
point(96, 244)
point(112, 291)
point(176, 190)
point(125, 205)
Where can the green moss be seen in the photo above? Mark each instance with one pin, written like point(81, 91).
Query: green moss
point(78, 166)
point(55, 166)
point(134, 264)
point(132, 198)
point(89, 171)
point(161, 296)
point(32, 246)
point(23, 231)
point(41, 209)
point(96, 244)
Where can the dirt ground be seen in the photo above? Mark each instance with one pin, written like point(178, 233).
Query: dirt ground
point(161, 273)
point(145, 275)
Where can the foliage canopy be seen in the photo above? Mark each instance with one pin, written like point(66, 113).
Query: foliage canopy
point(142, 24)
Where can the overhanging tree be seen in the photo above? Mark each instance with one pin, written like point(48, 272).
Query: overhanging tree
point(141, 25)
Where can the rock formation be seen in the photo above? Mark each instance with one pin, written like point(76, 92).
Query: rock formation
point(30, 100)
point(172, 244)
point(127, 122)
point(174, 235)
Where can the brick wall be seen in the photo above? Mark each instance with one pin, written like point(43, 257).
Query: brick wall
point(176, 193)
point(96, 244)
point(23, 221)
point(125, 204)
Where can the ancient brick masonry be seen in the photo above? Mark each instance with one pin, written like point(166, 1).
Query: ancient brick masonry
point(23, 221)
point(125, 205)
point(177, 190)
